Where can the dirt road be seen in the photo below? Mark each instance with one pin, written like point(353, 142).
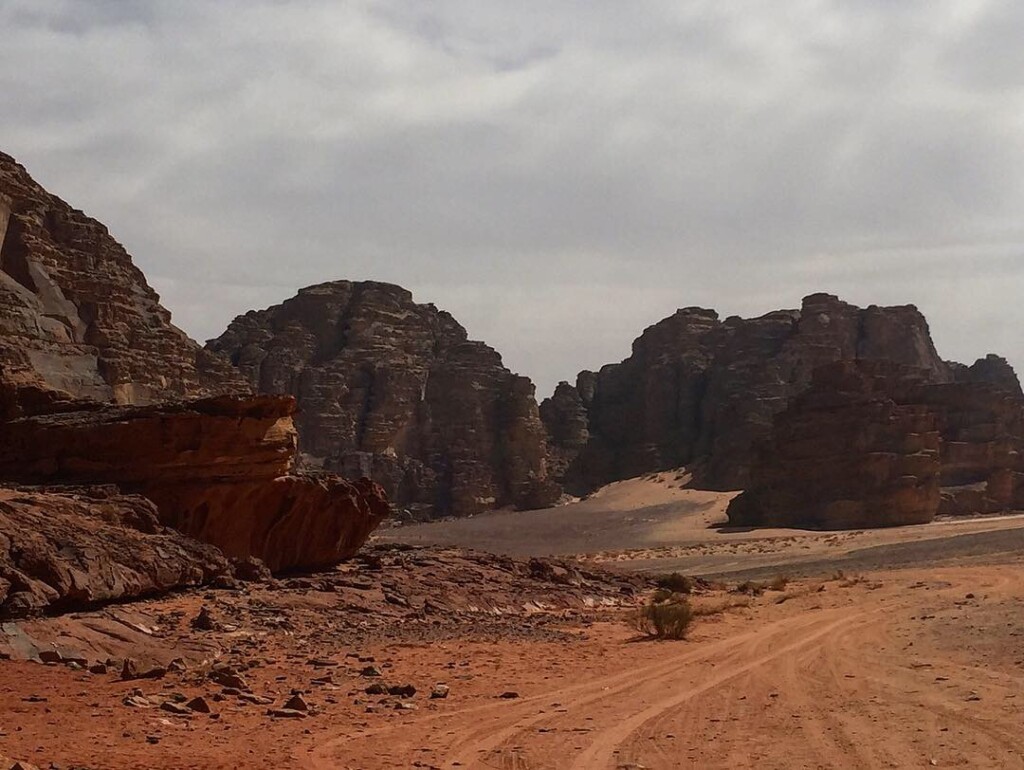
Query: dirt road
point(912, 669)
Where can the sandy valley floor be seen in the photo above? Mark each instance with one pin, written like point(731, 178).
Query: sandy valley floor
point(892, 648)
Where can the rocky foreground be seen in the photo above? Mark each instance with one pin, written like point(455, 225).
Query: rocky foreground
point(178, 675)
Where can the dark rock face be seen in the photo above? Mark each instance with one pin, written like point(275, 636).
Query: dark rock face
point(702, 392)
point(394, 390)
point(218, 470)
point(63, 549)
point(875, 444)
point(846, 454)
point(77, 318)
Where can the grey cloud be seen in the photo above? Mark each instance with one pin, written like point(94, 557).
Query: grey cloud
point(559, 176)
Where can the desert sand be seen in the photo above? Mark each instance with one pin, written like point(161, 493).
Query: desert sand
point(890, 648)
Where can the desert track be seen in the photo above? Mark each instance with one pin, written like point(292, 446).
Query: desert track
point(831, 681)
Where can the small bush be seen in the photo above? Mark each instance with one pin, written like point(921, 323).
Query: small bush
point(665, 620)
point(756, 588)
point(680, 584)
point(778, 583)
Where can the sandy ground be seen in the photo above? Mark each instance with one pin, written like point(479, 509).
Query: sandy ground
point(895, 670)
point(888, 648)
point(655, 524)
point(911, 668)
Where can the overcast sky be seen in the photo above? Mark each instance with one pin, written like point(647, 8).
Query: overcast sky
point(558, 175)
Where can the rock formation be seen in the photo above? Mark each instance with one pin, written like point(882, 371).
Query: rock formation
point(65, 549)
point(845, 454)
point(218, 469)
point(872, 443)
point(394, 390)
point(77, 318)
point(703, 392)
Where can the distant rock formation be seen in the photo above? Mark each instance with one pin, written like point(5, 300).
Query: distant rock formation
point(77, 318)
point(218, 469)
point(703, 392)
point(872, 444)
point(846, 454)
point(62, 550)
point(394, 390)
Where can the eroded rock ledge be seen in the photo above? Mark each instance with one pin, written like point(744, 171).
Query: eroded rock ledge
point(63, 549)
point(218, 469)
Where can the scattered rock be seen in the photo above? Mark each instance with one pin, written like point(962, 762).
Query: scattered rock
point(286, 713)
point(296, 703)
point(175, 708)
point(439, 691)
point(199, 705)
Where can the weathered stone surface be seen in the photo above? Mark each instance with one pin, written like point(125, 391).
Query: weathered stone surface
point(62, 549)
point(394, 390)
point(875, 444)
point(77, 318)
point(845, 454)
point(702, 392)
point(218, 469)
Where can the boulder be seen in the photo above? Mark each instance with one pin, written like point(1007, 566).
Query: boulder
point(218, 469)
point(394, 390)
point(66, 549)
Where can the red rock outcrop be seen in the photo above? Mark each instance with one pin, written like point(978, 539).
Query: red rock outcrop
point(65, 549)
point(702, 392)
point(77, 318)
point(394, 390)
point(218, 469)
point(875, 444)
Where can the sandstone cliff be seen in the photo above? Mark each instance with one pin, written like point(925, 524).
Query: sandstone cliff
point(846, 454)
point(218, 469)
point(872, 443)
point(394, 390)
point(703, 392)
point(77, 318)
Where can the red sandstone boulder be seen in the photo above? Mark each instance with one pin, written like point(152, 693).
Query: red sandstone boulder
point(218, 469)
point(65, 549)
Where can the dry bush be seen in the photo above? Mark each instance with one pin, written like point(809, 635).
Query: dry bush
point(676, 582)
point(707, 609)
point(756, 588)
point(666, 619)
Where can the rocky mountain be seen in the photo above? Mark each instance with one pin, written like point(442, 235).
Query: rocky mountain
point(98, 388)
point(703, 392)
point(395, 390)
point(77, 318)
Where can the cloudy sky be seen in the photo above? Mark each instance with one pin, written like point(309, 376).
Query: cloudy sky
point(557, 175)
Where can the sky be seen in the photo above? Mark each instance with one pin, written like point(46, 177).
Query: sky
point(559, 175)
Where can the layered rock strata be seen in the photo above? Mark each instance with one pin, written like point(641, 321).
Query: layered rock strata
point(77, 318)
point(876, 444)
point(67, 549)
point(218, 469)
point(703, 392)
point(395, 390)
point(845, 454)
